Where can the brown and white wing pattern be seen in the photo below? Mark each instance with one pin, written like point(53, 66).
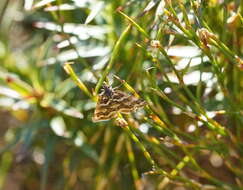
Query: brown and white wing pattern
point(120, 102)
point(126, 103)
point(102, 110)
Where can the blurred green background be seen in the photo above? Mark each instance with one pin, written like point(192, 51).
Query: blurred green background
point(184, 58)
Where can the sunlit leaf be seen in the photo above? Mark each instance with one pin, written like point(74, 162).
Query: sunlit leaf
point(84, 32)
point(59, 127)
point(9, 92)
point(28, 4)
point(160, 9)
point(184, 51)
point(63, 7)
point(95, 9)
point(150, 5)
point(43, 3)
point(82, 52)
point(61, 106)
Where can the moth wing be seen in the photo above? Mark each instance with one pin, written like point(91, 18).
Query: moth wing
point(102, 111)
point(108, 108)
point(127, 103)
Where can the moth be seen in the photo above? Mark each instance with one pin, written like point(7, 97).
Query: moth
point(112, 101)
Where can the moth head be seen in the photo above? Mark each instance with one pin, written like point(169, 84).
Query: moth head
point(107, 90)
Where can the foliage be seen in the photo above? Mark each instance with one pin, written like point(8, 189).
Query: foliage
point(182, 57)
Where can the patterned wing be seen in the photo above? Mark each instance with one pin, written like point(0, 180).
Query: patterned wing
point(126, 103)
point(107, 108)
point(102, 110)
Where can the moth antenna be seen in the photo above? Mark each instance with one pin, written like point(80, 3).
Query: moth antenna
point(120, 80)
point(117, 86)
